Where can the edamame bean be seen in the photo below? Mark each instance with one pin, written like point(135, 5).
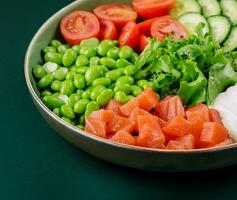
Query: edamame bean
point(76, 48)
point(113, 53)
point(111, 86)
point(63, 48)
point(52, 101)
point(55, 43)
point(91, 42)
point(141, 74)
point(125, 79)
point(69, 58)
point(86, 94)
point(136, 90)
point(101, 81)
point(92, 106)
point(96, 91)
point(45, 81)
point(130, 70)
point(80, 126)
point(126, 52)
point(60, 74)
point(67, 87)
point(80, 106)
point(88, 51)
point(144, 84)
point(108, 62)
point(73, 68)
point(113, 75)
point(70, 75)
point(82, 120)
point(79, 81)
point(53, 57)
point(65, 119)
point(39, 72)
point(120, 96)
point(79, 92)
point(93, 73)
point(49, 49)
point(81, 61)
point(56, 85)
point(121, 63)
point(134, 58)
point(56, 111)
point(129, 98)
point(46, 93)
point(94, 61)
point(67, 111)
point(73, 99)
point(82, 70)
point(104, 47)
point(123, 87)
point(104, 97)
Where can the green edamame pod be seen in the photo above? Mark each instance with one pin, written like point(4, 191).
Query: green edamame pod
point(73, 99)
point(69, 58)
point(67, 87)
point(81, 61)
point(55, 43)
point(93, 73)
point(113, 75)
point(108, 62)
point(53, 57)
point(39, 72)
point(113, 52)
point(121, 63)
point(56, 111)
point(82, 70)
point(88, 51)
point(80, 106)
point(104, 97)
point(60, 74)
point(104, 47)
point(94, 61)
point(79, 81)
point(67, 111)
point(121, 97)
point(91, 106)
point(126, 52)
point(101, 81)
point(125, 79)
point(56, 85)
point(91, 42)
point(52, 102)
point(45, 81)
point(136, 90)
point(96, 91)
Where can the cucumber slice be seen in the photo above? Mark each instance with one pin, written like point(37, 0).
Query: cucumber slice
point(219, 28)
point(229, 8)
point(184, 6)
point(210, 7)
point(191, 20)
point(231, 42)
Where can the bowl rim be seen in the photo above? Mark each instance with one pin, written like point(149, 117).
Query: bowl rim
point(81, 132)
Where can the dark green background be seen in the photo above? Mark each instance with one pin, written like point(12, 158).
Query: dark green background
point(37, 164)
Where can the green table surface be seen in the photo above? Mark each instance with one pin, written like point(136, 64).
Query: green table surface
point(37, 164)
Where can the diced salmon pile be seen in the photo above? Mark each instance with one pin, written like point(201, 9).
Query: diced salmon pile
point(148, 122)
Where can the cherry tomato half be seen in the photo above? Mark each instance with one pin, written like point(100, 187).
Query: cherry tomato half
point(130, 35)
point(119, 14)
point(164, 27)
point(79, 25)
point(107, 30)
point(143, 42)
point(148, 9)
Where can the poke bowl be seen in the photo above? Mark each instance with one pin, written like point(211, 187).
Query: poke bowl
point(131, 94)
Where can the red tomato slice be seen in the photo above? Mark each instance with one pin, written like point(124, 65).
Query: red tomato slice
point(164, 27)
point(79, 25)
point(119, 14)
point(107, 30)
point(143, 42)
point(130, 35)
point(153, 8)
